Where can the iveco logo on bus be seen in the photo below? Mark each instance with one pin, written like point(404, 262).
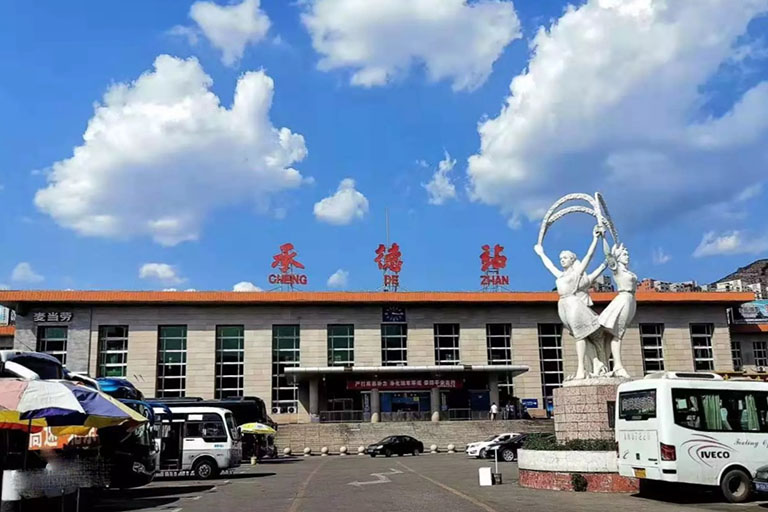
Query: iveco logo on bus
point(707, 449)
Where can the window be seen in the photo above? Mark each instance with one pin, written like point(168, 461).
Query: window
point(394, 349)
point(53, 340)
point(446, 344)
point(637, 405)
point(113, 350)
point(701, 340)
point(506, 388)
point(651, 338)
point(550, 358)
point(171, 361)
point(738, 363)
point(498, 338)
point(209, 427)
point(341, 345)
point(760, 351)
point(285, 354)
point(230, 357)
point(722, 410)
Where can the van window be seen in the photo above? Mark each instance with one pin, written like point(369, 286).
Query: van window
point(637, 405)
point(714, 410)
point(232, 427)
point(210, 427)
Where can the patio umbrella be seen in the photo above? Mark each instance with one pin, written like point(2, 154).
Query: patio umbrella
point(256, 428)
point(67, 407)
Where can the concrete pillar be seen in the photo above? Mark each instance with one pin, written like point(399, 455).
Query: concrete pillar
point(375, 406)
point(434, 398)
point(493, 388)
point(314, 399)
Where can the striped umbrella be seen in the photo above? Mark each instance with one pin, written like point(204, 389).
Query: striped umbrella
point(67, 407)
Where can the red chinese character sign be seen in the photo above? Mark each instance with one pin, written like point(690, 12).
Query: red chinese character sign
point(390, 260)
point(491, 265)
point(286, 261)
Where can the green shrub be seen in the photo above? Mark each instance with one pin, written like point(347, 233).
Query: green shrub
point(548, 442)
point(578, 482)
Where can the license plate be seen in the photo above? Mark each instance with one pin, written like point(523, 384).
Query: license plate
point(761, 486)
point(639, 473)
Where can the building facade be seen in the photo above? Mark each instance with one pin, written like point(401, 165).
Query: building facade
point(336, 356)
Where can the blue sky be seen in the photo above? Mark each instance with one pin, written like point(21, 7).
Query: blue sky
point(660, 105)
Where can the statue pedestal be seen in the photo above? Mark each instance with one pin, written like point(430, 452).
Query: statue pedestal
point(585, 409)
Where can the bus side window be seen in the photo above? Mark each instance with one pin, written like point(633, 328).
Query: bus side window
point(755, 410)
point(687, 410)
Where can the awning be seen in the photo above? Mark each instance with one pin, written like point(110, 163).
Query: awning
point(304, 372)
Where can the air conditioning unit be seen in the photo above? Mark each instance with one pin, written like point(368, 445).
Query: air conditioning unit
point(291, 410)
point(275, 410)
point(760, 369)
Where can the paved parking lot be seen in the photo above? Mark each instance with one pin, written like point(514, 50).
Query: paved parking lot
point(428, 483)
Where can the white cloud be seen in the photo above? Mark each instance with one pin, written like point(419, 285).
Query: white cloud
point(338, 279)
point(730, 242)
point(230, 28)
point(23, 273)
point(161, 152)
point(440, 188)
point(4, 286)
point(614, 99)
point(246, 286)
point(346, 205)
point(161, 272)
point(660, 257)
point(170, 290)
point(191, 290)
point(458, 40)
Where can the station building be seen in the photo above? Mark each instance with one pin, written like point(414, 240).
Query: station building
point(358, 356)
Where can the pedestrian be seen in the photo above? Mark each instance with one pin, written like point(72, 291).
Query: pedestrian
point(494, 410)
point(510, 411)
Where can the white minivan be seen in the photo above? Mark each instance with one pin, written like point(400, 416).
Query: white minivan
point(693, 428)
point(202, 440)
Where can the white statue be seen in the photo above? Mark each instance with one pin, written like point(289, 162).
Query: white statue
point(620, 312)
point(597, 336)
point(574, 305)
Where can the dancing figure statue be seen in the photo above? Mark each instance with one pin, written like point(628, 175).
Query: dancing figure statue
point(574, 306)
point(597, 336)
point(620, 312)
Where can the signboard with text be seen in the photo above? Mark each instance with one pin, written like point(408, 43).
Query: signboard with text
point(286, 262)
point(491, 264)
point(390, 260)
point(52, 316)
point(754, 312)
point(403, 384)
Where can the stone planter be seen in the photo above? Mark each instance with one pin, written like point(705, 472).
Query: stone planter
point(543, 469)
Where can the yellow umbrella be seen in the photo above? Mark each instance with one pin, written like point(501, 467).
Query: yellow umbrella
point(256, 428)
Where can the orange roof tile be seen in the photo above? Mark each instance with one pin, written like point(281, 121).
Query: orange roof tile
point(13, 297)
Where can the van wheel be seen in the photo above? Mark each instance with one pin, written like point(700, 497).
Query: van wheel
point(205, 469)
point(736, 486)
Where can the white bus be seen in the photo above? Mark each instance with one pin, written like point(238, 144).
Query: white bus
point(202, 440)
point(693, 428)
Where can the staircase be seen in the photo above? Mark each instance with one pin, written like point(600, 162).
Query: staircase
point(352, 435)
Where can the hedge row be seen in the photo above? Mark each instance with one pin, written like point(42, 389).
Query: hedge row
point(548, 442)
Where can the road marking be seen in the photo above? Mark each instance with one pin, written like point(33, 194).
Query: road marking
point(303, 488)
point(381, 478)
point(450, 489)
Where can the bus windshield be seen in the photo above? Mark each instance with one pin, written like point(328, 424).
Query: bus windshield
point(637, 405)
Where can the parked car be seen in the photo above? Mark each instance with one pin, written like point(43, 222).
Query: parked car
point(761, 479)
point(479, 449)
point(399, 445)
point(507, 449)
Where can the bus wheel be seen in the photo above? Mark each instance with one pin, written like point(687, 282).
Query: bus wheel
point(205, 469)
point(736, 486)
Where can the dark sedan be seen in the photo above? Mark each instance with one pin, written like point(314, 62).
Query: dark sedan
point(399, 445)
point(507, 450)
